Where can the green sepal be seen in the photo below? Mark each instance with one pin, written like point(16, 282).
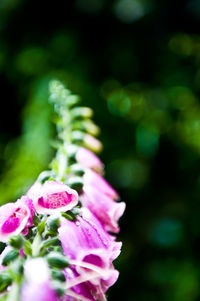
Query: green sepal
point(57, 260)
point(77, 169)
point(10, 256)
point(67, 216)
point(27, 248)
point(36, 220)
point(41, 227)
point(76, 183)
point(50, 242)
point(5, 281)
point(58, 287)
point(54, 224)
point(16, 241)
point(58, 275)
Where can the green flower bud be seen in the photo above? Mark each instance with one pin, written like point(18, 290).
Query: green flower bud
point(77, 136)
point(81, 112)
point(53, 223)
point(10, 256)
point(76, 183)
point(73, 100)
point(77, 169)
point(58, 275)
point(58, 287)
point(5, 281)
point(57, 260)
point(16, 241)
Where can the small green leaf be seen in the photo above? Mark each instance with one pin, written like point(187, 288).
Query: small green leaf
point(41, 227)
point(27, 248)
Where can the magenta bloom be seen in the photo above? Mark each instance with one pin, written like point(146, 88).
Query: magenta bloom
point(98, 197)
point(89, 160)
point(52, 197)
point(87, 291)
point(93, 179)
point(14, 217)
point(91, 251)
point(37, 285)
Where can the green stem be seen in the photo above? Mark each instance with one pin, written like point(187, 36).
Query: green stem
point(36, 245)
point(14, 294)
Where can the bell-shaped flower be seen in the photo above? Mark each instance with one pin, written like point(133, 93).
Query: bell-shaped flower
point(79, 287)
point(89, 247)
point(14, 218)
point(103, 207)
point(89, 160)
point(52, 196)
point(93, 179)
point(37, 286)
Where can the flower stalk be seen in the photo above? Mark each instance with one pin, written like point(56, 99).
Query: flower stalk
point(59, 236)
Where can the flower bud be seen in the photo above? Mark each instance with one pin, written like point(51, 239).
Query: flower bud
point(16, 241)
point(92, 143)
point(73, 100)
point(53, 223)
point(82, 112)
point(10, 256)
point(58, 287)
point(57, 260)
point(76, 183)
point(86, 126)
point(58, 275)
point(77, 169)
point(5, 281)
point(77, 136)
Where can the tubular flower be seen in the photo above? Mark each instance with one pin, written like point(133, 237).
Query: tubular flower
point(37, 285)
point(82, 289)
point(52, 196)
point(89, 160)
point(98, 196)
point(93, 179)
point(91, 251)
point(14, 217)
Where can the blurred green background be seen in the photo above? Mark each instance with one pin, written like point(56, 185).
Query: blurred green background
point(137, 64)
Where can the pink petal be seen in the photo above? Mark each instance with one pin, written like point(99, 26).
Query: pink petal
point(13, 219)
point(105, 209)
point(89, 160)
point(95, 180)
point(88, 246)
point(52, 197)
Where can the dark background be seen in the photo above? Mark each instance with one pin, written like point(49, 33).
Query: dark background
point(137, 64)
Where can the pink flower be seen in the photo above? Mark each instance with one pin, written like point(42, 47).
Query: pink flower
point(87, 291)
point(95, 180)
point(14, 217)
point(91, 251)
point(88, 159)
point(98, 196)
point(52, 197)
point(37, 285)
point(105, 209)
